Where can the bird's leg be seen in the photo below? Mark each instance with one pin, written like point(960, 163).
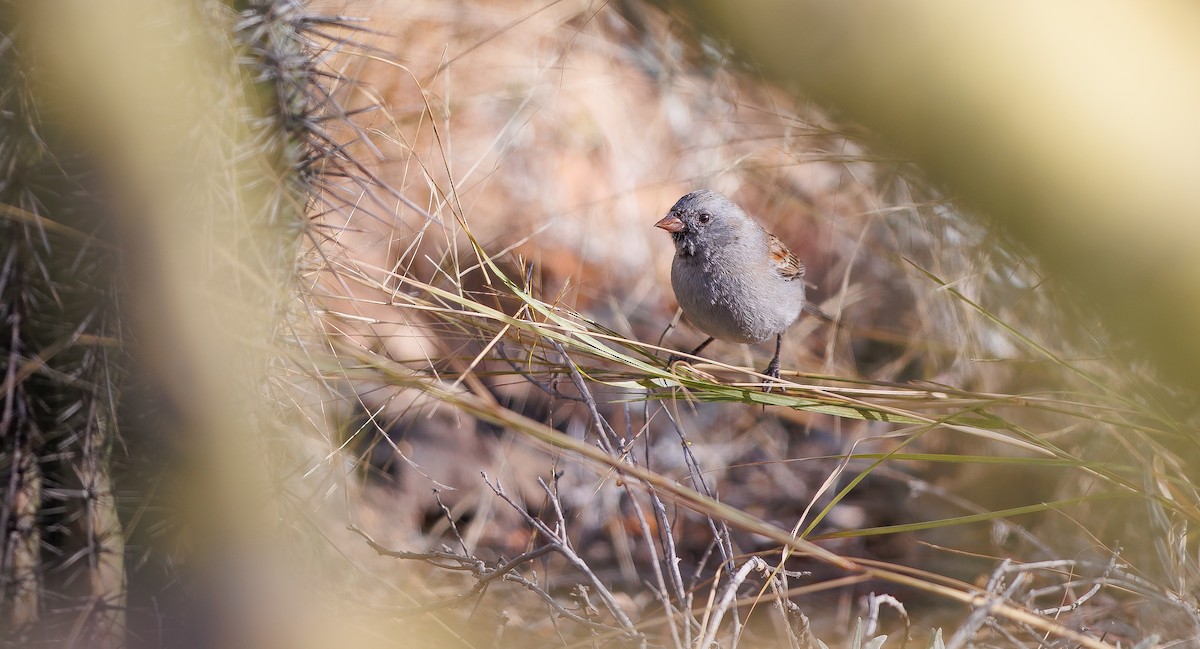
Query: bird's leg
point(773, 367)
point(699, 348)
point(674, 358)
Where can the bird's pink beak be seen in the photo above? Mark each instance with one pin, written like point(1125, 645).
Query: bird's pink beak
point(670, 223)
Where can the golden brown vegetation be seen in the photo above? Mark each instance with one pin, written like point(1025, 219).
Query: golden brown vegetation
point(411, 355)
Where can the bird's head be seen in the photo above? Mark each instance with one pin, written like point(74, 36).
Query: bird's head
point(700, 220)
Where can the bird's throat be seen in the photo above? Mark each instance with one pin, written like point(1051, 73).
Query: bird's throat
point(685, 246)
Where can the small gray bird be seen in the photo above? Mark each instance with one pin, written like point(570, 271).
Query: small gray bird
point(734, 280)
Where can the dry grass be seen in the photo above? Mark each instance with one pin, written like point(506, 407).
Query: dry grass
point(960, 437)
point(471, 436)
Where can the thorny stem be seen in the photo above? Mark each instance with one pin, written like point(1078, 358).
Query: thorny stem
point(727, 598)
point(563, 548)
point(605, 432)
point(484, 575)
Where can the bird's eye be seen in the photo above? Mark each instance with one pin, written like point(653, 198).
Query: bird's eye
point(704, 217)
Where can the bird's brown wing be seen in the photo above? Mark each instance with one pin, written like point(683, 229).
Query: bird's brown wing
point(784, 260)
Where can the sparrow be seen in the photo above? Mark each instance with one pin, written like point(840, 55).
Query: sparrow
point(733, 279)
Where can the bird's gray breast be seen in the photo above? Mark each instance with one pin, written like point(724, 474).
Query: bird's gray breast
point(735, 302)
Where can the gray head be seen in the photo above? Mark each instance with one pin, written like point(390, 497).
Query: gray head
point(701, 220)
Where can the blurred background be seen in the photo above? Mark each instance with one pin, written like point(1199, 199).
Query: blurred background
point(347, 323)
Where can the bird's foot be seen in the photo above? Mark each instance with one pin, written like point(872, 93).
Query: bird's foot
point(773, 372)
point(674, 358)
